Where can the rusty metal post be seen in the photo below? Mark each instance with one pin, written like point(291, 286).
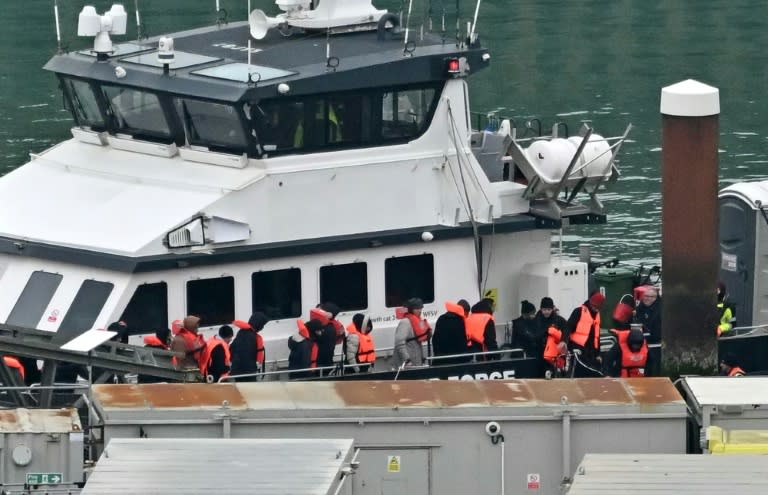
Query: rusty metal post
point(690, 255)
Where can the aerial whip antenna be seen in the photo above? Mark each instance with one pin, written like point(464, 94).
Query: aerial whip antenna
point(139, 34)
point(474, 23)
point(58, 29)
point(408, 20)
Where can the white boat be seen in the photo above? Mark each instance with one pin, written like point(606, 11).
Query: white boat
point(273, 164)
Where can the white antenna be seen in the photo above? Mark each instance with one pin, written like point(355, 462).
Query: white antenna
point(138, 21)
point(408, 20)
point(474, 23)
point(58, 29)
point(90, 23)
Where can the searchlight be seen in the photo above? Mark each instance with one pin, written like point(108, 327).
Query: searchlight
point(90, 23)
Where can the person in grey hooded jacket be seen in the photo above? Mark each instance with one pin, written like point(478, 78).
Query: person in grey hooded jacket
point(408, 338)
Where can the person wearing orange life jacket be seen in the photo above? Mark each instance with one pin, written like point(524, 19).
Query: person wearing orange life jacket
point(359, 348)
point(410, 333)
point(582, 332)
point(481, 330)
point(628, 358)
point(15, 366)
point(549, 337)
point(326, 341)
point(247, 349)
point(161, 339)
point(216, 360)
point(303, 348)
point(338, 327)
point(729, 365)
point(188, 343)
point(450, 336)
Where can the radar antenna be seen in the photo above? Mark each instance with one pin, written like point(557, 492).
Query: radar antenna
point(90, 23)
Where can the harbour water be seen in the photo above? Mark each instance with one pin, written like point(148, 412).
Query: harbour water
point(599, 61)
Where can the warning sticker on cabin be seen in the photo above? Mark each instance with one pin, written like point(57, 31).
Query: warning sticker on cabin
point(492, 294)
point(393, 463)
point(534, 481)
point(729, 262)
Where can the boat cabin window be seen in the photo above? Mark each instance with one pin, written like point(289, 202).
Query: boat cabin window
point(30, 306)
point(405, 113)
point(346, 285)
point(82, 314)
point(85, 105)
point(147, 310)
point(409, 276)
point(137, 113)
point(217, 126)
point(212, 300)
point(343, 120)
point(277, 293)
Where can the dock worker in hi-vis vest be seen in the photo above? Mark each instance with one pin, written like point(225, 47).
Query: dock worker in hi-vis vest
point(411, 332)
point(726, 316)
point(583, 329)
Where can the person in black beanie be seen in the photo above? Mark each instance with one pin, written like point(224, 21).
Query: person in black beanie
point(524, 330)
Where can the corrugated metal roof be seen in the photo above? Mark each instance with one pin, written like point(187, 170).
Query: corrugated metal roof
point(723, 390)
point(218, 466)
point(642, 392)
point(39, 421)
point(670, 474)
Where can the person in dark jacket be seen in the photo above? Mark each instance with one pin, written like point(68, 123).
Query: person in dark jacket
point(582, 332)
point(161, 339)
point(326, 341)
point(525, 330)
point(218, 364)
point(300, 345)
point(247, 349)
point(648, 313)
point(484, 307)
point(450, 335)
point(546, 317)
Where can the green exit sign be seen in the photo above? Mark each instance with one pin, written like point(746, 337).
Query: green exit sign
point(44, 478)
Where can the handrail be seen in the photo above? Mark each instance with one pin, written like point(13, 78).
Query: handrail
point(475, 354)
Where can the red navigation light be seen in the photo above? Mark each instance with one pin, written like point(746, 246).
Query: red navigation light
point(453, 66)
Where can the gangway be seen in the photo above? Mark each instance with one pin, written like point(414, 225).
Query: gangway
point(109, 358)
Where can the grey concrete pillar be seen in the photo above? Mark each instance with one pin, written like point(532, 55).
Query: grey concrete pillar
point(690, 255)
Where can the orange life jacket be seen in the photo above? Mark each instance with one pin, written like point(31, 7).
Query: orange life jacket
point(14, 363)
point(192, 341)
point(632, 363)
point(452, 307)
point(551, 352)
point(304, 332)
point(421, 329)
point(207, 354)
point(153, 341)
point(586, 323)
point(365, 348)
point(736, 371)
point(474, 327)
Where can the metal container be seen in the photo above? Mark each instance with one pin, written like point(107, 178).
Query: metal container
point(205, 467)
point(630, 474)
point(40, 447)
point(729, 403)
point(421, 437)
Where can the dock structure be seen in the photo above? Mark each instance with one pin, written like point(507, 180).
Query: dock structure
point(690, 257)
point(420, 437)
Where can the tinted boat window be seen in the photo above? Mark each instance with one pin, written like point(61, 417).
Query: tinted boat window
point(30, 306)
point(280, 125)
point(409, 276)
point(137, 112)
point(212, 300)
point(147, 310)
point(85, 308)
point(85, 106)
point(213, 125)
point(406, 113)
point(277, 293)
point(346, 285)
